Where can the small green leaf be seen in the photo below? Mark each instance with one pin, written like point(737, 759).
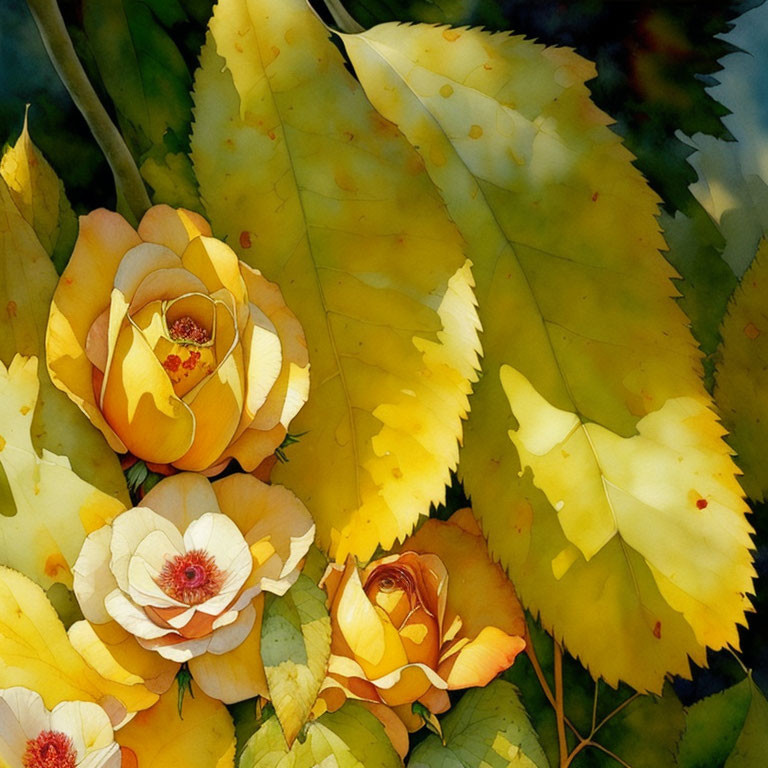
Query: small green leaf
point(295, 646)
point(489, 726)
point(349, 738)
point(184, 683)
point(729, 729)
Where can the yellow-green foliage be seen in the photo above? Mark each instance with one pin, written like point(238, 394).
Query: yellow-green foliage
point(742, 375)
point(591, 455)
point(313, 187)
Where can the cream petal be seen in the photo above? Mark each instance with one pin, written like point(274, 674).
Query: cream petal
point(93, 579)
point(228, 637)
point(27, 708)
point(182, 498)
point(86, 723)
point(106, 757)
point(219, 537)
point(131, 618)
point(180, 652)
point(177, 622)
point(389, 681)
point(263, 361)
point(128, 530)
point(165, 284)
point(139, 262)
point(12, 737)
point(144, 570)
point(172, 227)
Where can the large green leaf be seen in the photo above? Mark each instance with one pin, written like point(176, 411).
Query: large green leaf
point(349, 738)
point(591, 455)
point(488, 727)
point(27, 285)
point(313, 187)
point(295, 646)
point(148, 80)
point(729, 729)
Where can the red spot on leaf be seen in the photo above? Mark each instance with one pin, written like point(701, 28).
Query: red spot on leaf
point(751, 331)
point(657, 630)
point(702, 504)
point(11, 309)
point(245, 239)
point(595, 196)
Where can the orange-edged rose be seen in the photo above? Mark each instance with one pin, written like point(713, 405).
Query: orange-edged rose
point(411, 626)
point(181, 579)
point(176, 350)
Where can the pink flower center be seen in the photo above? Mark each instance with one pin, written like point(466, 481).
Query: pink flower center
point(51, 749)
point(192, 578)
point(185, 329)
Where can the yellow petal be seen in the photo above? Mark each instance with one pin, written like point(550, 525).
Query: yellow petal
point(140, 404)
point(478, 662)
point(173, 228)
point(139, 262)
point(217, 265)
point(82, 294)
point(237, 674)
point(159, 738)
point(165, 284)
point(182, 498)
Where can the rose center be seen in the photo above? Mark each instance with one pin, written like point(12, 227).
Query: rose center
point(192, 578)
point(51, 749)
point(187, 330)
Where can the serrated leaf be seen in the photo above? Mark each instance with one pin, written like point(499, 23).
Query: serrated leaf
point(489, 726)
point(39, 195)
point(589, 471)
point(349, 738)
point(27, 285)
point(729, 729)
point(203, 738)
point(742, 375)
point(295, 646)
point(310, 185)
point(54, 508)
point(37, 654)
point(733, 175)
point(148, 80)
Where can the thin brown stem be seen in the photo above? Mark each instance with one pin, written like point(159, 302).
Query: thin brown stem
point(614, 712)
point(610, 754)
point(581, 745)
point(560, 706)
point(594, 709)
point(128, 182)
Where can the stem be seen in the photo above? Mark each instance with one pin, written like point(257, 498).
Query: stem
point(615, 712)
point(341, 17)
point(62, 53)
point(559, 706)
point(610, 754)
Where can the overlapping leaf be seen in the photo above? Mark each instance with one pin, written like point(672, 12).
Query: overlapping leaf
point(54, 508)
point(148, 80)
point(295, 646)
point(591, 454)
point(27, 285)
point(37, 654)
point(202, 737)
point(742, 375)
point(729, 729)
point(349, 738)
point(312, 186)
point(489, 726)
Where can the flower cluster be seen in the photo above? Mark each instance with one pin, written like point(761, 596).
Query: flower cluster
point(187, 359)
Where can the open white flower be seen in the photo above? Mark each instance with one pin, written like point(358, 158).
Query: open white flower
point(76, 734)
point(183, 574)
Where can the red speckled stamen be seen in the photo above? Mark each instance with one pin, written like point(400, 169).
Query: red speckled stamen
point(192, 578)
point(186, 329)
point(51, 749)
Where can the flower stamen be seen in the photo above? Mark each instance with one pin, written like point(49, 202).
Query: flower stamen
point(192, 578)
point(187, 330)
point(51, 749)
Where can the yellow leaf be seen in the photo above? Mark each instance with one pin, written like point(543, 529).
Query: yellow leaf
point(39, 196)
point(742, 375)
point(349, 738)
point(615, 458)
point(36, 653)
point(26, 288)
point(309, 184)
point(54, 508)
point(203, 737)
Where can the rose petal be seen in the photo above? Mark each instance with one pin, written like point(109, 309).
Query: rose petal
point(173, 228)
point(480, 660)
point(86, 723)
point(139, 262)
point(182, 498)
point(217, 265)
point(93, 579)
point(165, 284)
point(133, 619)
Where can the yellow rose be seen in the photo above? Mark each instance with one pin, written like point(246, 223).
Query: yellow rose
point(173, 348)
point(74, 733)
point(409, 627)
point(181, 579)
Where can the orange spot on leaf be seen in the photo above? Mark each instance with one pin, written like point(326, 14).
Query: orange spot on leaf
point(475, 132)
point(751, 331)
point(451, 35)
point(595, 196)
point(245, 239)
point(657, 630)
point(11, 308)
point(54, 564)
